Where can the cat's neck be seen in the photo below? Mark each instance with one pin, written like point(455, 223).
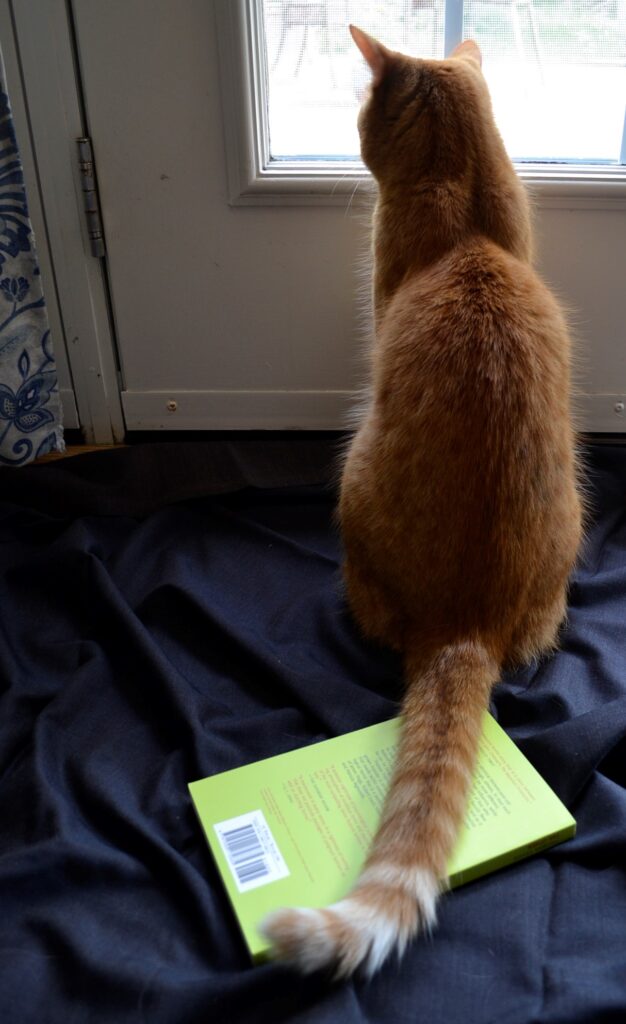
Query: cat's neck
point(414, 229)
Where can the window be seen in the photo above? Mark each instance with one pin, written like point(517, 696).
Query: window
point(556, 70)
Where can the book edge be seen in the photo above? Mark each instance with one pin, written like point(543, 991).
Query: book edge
point(225, 888)
point(525, 851)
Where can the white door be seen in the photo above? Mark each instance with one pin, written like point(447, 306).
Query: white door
point(249, 316)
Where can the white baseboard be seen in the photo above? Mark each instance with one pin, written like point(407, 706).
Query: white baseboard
point(601, 413)
point(237, 410)
point(302, 410)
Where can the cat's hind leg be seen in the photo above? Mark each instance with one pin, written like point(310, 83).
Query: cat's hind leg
point(537, 632)
point(371, 606)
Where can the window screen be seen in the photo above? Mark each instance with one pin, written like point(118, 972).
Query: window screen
point(556, 71)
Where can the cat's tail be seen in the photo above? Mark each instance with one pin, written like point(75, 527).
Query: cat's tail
point(395, 895)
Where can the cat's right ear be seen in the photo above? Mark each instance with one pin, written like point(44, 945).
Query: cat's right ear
point(376, 55)
point(469, 50)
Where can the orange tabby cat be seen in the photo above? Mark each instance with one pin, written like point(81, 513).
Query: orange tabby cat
point(459, 505)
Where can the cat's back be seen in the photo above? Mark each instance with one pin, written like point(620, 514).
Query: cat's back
point(464, 465)
point(477, 334)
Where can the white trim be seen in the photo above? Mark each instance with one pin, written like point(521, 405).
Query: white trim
point(237, 410)
point(255, 180)
point(69, 411)
point(303, 410)
point(246, 147)
point(52, 95)
point(601, 413)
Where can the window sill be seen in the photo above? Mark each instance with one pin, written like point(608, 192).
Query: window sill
point(292, 184)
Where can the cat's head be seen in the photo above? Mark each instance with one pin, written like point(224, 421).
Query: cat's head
point(422, 118)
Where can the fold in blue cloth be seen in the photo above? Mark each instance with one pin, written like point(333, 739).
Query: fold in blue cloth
point(167, 640)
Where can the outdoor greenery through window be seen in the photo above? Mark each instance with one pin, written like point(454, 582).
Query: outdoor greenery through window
point(556, 70)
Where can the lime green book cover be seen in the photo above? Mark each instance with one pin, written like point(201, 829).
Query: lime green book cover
point(294, 830)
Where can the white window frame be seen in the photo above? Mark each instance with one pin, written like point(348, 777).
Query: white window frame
point(255, 179)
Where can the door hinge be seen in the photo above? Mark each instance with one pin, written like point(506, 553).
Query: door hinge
point(90, 198)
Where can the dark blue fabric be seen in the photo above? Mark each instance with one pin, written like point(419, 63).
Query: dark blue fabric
point(141, 650)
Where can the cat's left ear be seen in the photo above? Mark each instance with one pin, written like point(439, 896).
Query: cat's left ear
point(469, 50)
point(376, 55)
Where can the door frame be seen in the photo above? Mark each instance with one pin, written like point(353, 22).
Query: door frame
point(44, 85)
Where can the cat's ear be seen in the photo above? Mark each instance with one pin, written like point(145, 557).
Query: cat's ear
point(376, 55)
point(469, 50)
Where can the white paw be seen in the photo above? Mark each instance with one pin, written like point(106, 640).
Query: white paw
point(387, 907)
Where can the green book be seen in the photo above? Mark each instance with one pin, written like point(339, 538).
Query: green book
point(294, 830)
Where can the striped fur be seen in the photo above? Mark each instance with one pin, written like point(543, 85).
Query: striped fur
point(396, 893)
point(459, 505)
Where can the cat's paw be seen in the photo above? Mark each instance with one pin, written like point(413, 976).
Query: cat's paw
point(359, 932)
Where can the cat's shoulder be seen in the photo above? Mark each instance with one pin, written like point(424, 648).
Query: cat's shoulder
point(477, 272)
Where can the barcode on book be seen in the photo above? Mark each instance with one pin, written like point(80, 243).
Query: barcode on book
point(251, 850)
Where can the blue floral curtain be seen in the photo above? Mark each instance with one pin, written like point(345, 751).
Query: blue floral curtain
point(30, 408)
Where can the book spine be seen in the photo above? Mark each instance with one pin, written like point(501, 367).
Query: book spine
point(511, 856)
